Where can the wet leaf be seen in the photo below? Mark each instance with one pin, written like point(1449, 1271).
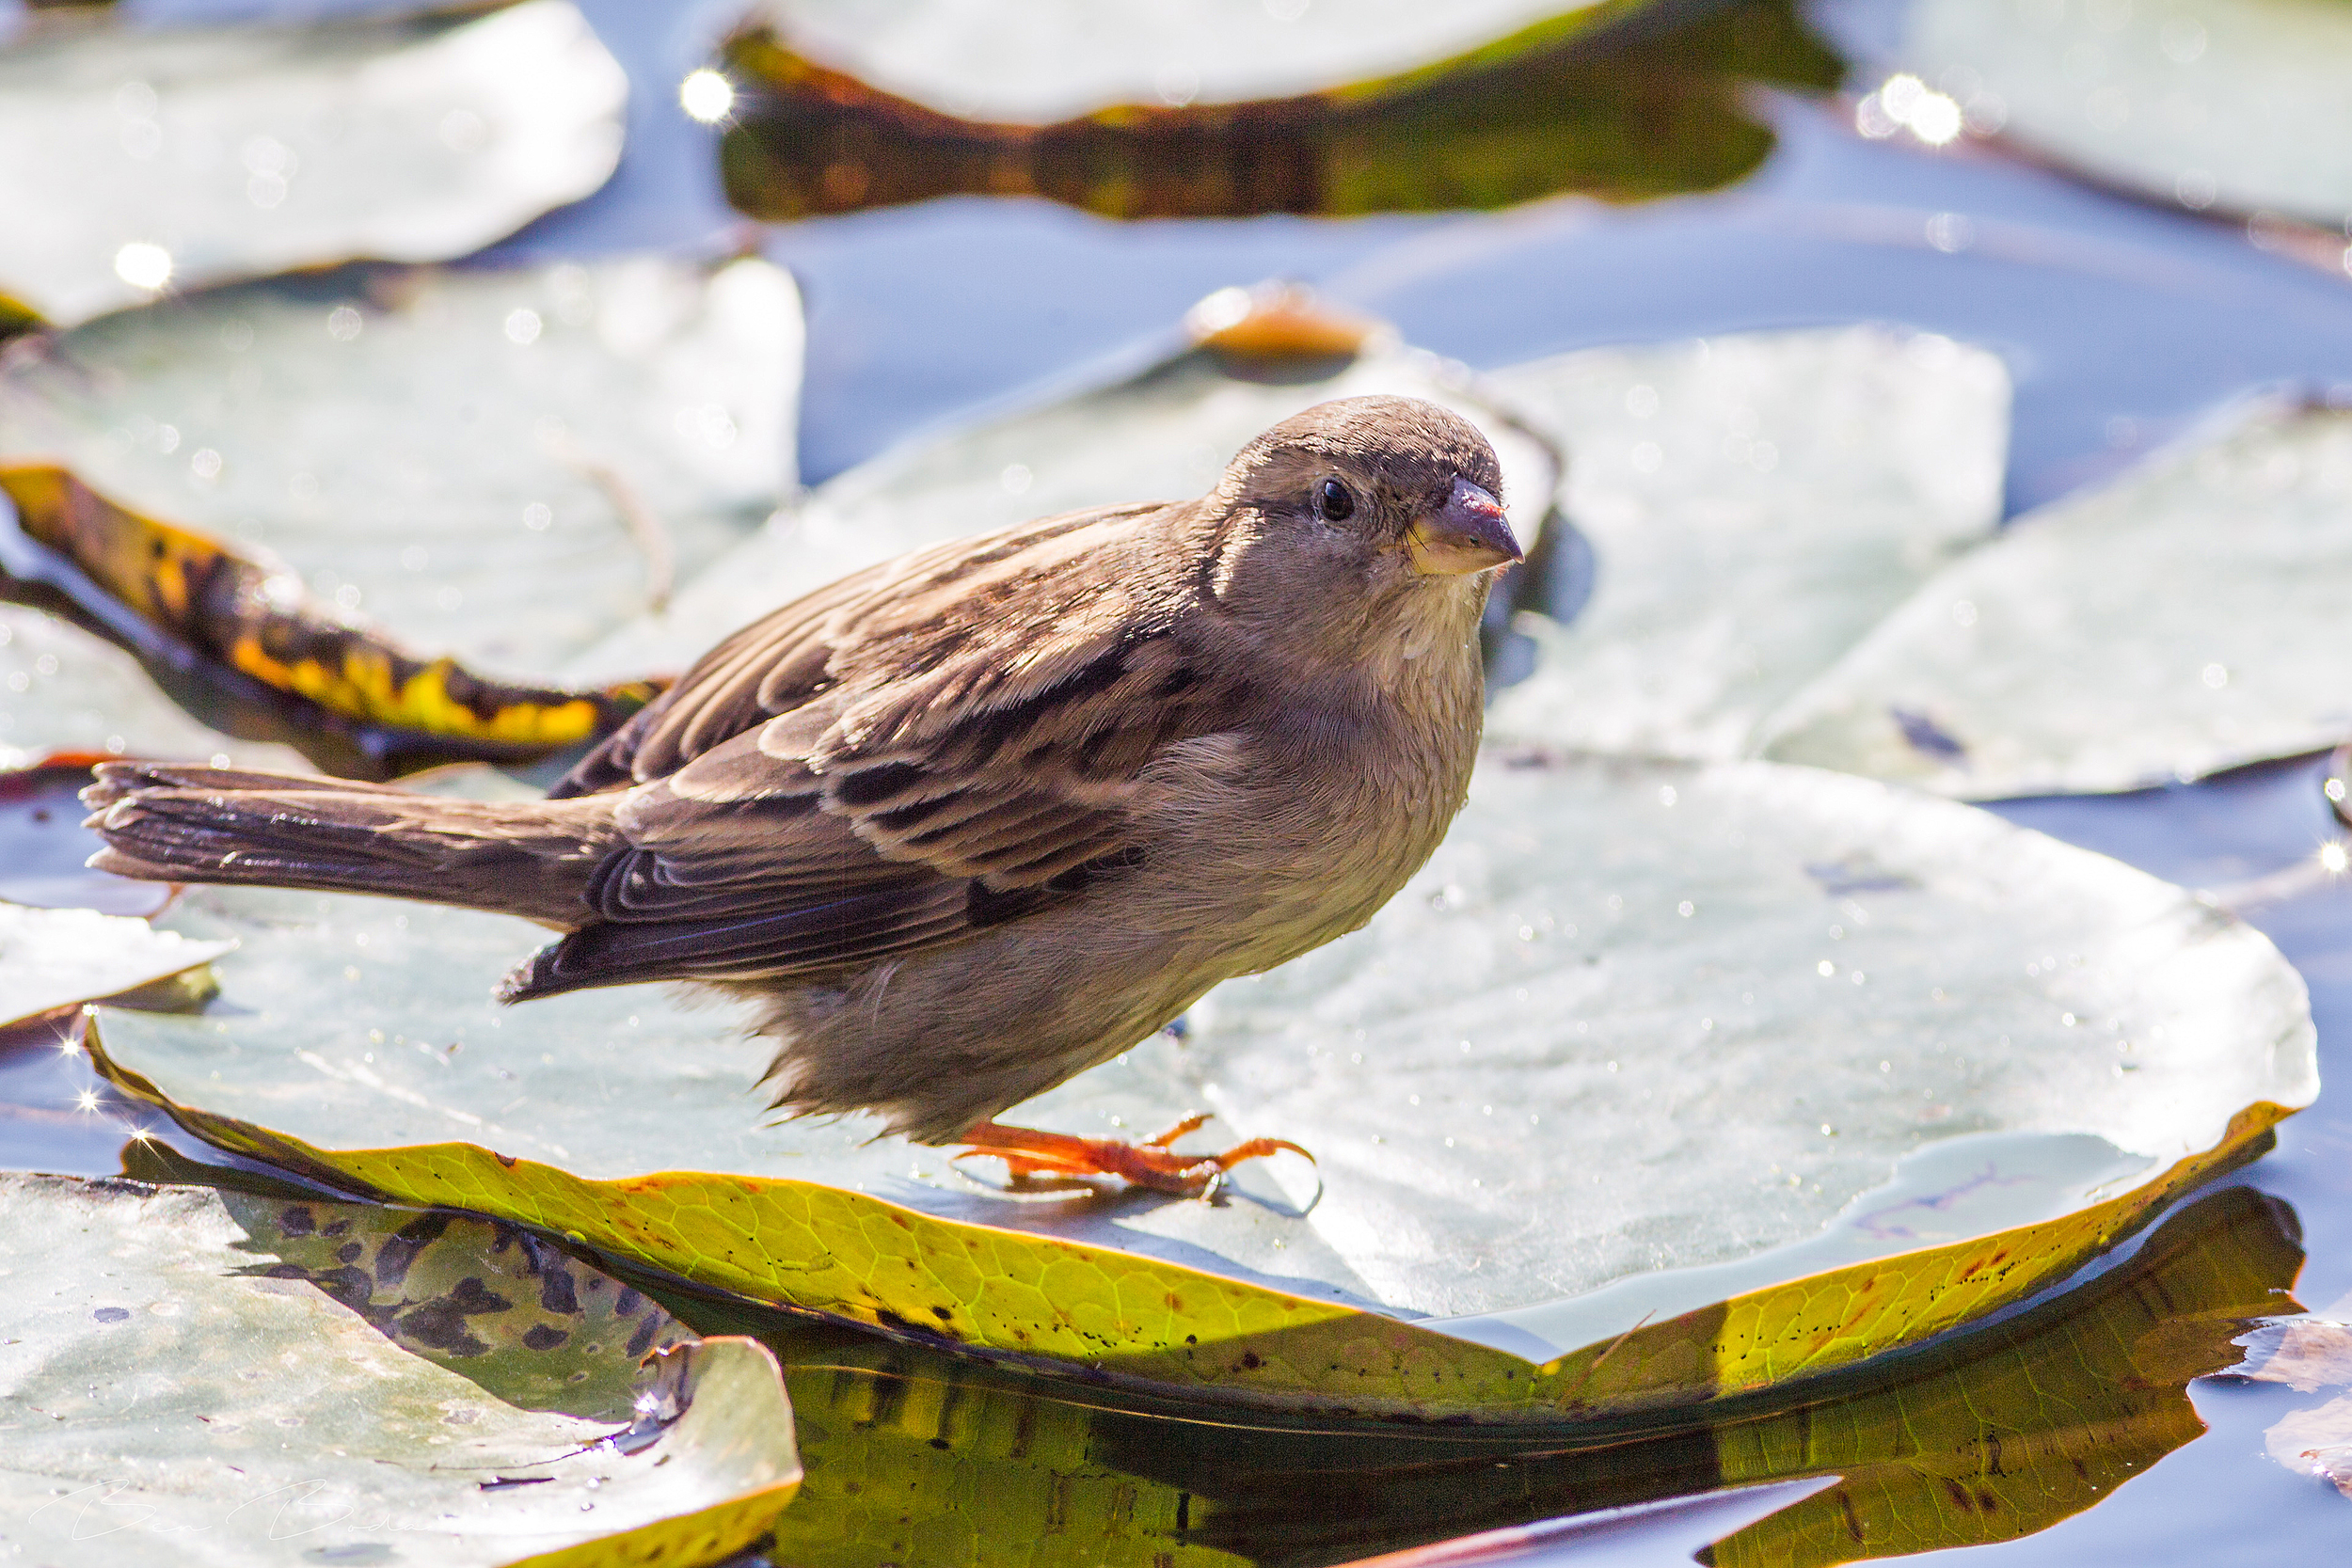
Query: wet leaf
point(2192, 605)
point(2229, 103)
point(190, 156)
point(918, 1460)
point(1744, 537)
point(172, 1372)
point(1751, 1196)
point(491, 463)
point(66, 690)
point(850, 115)
point(1247, 360)
point(246, 631)
point(52, 959)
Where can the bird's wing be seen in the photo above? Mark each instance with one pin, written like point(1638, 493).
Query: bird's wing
point(942, 743)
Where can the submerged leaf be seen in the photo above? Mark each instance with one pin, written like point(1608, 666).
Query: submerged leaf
point(174, 1375)
point(1769, 1184)
point(247, 627)
point(189, 156)
point(1745, 536)
point(51, 960)
point(2231, 103)
point(478, 460)
point(1568, 102)
point(2183, 619)
point(1248, 359)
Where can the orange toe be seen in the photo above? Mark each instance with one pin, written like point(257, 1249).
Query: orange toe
point(1030, 1152)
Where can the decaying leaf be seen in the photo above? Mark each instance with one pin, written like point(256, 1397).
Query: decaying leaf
point(186, 157)
point(66, 691)
point(1746, 533)
point(1567, 103)
point(51, 960)
point(478, 460)
point(186, 1370)
point(2181, 619)
point(248, 628)
point(2103, 1041)
point(1245, 358)
point(2230, 103)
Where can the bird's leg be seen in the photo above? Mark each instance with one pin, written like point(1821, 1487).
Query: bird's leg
point(1028, 1152)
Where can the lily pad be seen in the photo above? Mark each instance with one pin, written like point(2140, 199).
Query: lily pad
point(918, 1460)
point(66, 690)
point(2184, 618)
point(1897, 1065)
point(191, 156)
point(242, 634)
point(1053, 61)
point(177, 1373)
point(2231, 103)
point(1248, 360)
point(54, 959)
point(1623, 100)
point(1746, 532)
point(497, 465)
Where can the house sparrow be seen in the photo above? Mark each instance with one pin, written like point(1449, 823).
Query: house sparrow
point(966, 823)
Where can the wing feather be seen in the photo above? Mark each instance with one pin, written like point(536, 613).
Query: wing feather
point(928, 746)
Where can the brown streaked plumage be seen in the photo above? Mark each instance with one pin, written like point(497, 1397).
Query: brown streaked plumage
point(971, 821)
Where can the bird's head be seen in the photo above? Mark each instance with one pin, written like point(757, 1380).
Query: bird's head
point(1354, 503)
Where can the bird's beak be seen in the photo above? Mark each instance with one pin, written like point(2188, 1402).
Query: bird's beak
point(1469, 533)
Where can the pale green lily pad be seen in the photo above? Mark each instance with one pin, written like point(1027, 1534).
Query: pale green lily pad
point(457, 456)
point(1038, 63)
point(1754, 503)
point(1163, 434)
point(175, 1380)
point(2185, 618)
point(54, 959)
point(2234, 104)
point(64, 690)
point(2011, 1033)
point(198, 155)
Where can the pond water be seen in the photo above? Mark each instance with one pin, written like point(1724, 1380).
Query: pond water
point(2122, 326)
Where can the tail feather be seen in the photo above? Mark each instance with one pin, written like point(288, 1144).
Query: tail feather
point(186, 824)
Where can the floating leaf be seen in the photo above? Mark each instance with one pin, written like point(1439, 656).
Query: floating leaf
point(177, 1370)
point(478, 460)
point(1565, 104)
point(918, 1460)
point(66, 690)
point(1773, 1181)
point(1744, 537)
point(188, 156)
point(52, 959)
point(2236, 104)
point(248, 628)
point(1248, 359)
point(2180, 619)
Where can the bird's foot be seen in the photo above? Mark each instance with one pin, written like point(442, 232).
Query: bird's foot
point(1027, 1151)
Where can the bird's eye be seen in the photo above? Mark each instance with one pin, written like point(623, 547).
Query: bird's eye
point(1334, 502)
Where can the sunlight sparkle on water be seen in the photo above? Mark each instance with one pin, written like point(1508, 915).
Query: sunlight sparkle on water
point(85, 1101)
point(706, 95)
point(1905, 103)
point(143, 265)
point(2333, 858)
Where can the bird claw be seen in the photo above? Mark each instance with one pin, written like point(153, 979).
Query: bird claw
point(1027, 1151)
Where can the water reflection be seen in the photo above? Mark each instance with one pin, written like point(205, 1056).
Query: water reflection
point(1628, 112)
point(918, 1458)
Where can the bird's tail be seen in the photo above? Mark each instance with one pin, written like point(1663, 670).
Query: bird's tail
point(174, 823)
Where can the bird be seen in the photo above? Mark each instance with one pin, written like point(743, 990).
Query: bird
point(965, 823)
